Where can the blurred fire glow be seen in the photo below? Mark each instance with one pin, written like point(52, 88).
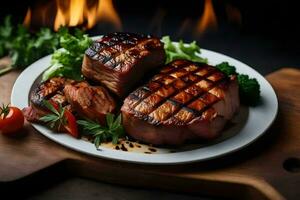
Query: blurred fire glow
point(73, 13)
point(27, 18)
point(208, 20)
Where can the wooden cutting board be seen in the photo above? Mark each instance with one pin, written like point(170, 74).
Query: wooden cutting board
point(267, 169)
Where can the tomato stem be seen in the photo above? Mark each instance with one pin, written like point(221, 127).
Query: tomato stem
point(4, 110)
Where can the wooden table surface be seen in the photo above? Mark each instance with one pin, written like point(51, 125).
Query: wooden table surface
point(266, 169)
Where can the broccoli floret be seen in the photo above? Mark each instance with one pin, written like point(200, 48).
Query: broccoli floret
point(226, 68)
point(249, 90)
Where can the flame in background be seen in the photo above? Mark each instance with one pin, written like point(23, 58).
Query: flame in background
point(27, 18)
point(81, 13)
point(208, 20)
point(77, 9)
point(87, 13)
point(106, 12)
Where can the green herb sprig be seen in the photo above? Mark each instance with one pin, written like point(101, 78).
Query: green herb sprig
point(111, 132)
point(56, 119)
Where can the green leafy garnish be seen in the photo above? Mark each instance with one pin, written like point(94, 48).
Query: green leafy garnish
point(56, 119)
point(181, 51)
point(226, 68)
point(5, 36)
point(24, 47)
point(249, 88)
point(111, 132)
point(27, 48)
point(66, 62)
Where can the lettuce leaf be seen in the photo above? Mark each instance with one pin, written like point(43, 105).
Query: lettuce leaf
point(181, 51)
point(66, 62)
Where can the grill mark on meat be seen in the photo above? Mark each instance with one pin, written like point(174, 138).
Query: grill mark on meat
point(124, 48)
point(172, 97)
point(184, 106)
point(202, 99)
point(112, 45)
point(150, 90)
point(119, 60)
point(51, 89)
point(207, 77)
point(196, 102)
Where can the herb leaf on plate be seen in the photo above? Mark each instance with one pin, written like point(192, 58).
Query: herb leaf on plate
point(111, 132)
point(60, 119)
point(56, 119)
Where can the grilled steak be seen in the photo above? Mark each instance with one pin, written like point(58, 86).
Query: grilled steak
point(79, 97)
point(119, 60)
point(185, 100)
point(92, 102)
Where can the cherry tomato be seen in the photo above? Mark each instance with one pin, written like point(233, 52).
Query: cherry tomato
point(71, 125)
point(11, 120)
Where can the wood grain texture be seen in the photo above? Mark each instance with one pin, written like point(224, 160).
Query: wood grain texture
point(266, 169)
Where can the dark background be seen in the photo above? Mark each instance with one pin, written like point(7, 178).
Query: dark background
point(266, 38)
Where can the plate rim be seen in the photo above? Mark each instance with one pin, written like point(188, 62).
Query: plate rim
point(153, 159)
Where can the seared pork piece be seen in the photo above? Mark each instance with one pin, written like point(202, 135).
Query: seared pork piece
point(51, 89)
point(120, 60)
point(184, 101)
point(92, 102)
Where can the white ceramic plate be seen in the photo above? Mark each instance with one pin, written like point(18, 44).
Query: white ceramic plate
point(258, 119)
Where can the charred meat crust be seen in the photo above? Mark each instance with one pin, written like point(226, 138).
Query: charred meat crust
point(51, 89)
point(185, 98)
point(119, 60)
point(180, 93)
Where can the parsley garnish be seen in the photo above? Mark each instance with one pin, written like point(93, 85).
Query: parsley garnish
point(111, 132)
point(24, 47)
